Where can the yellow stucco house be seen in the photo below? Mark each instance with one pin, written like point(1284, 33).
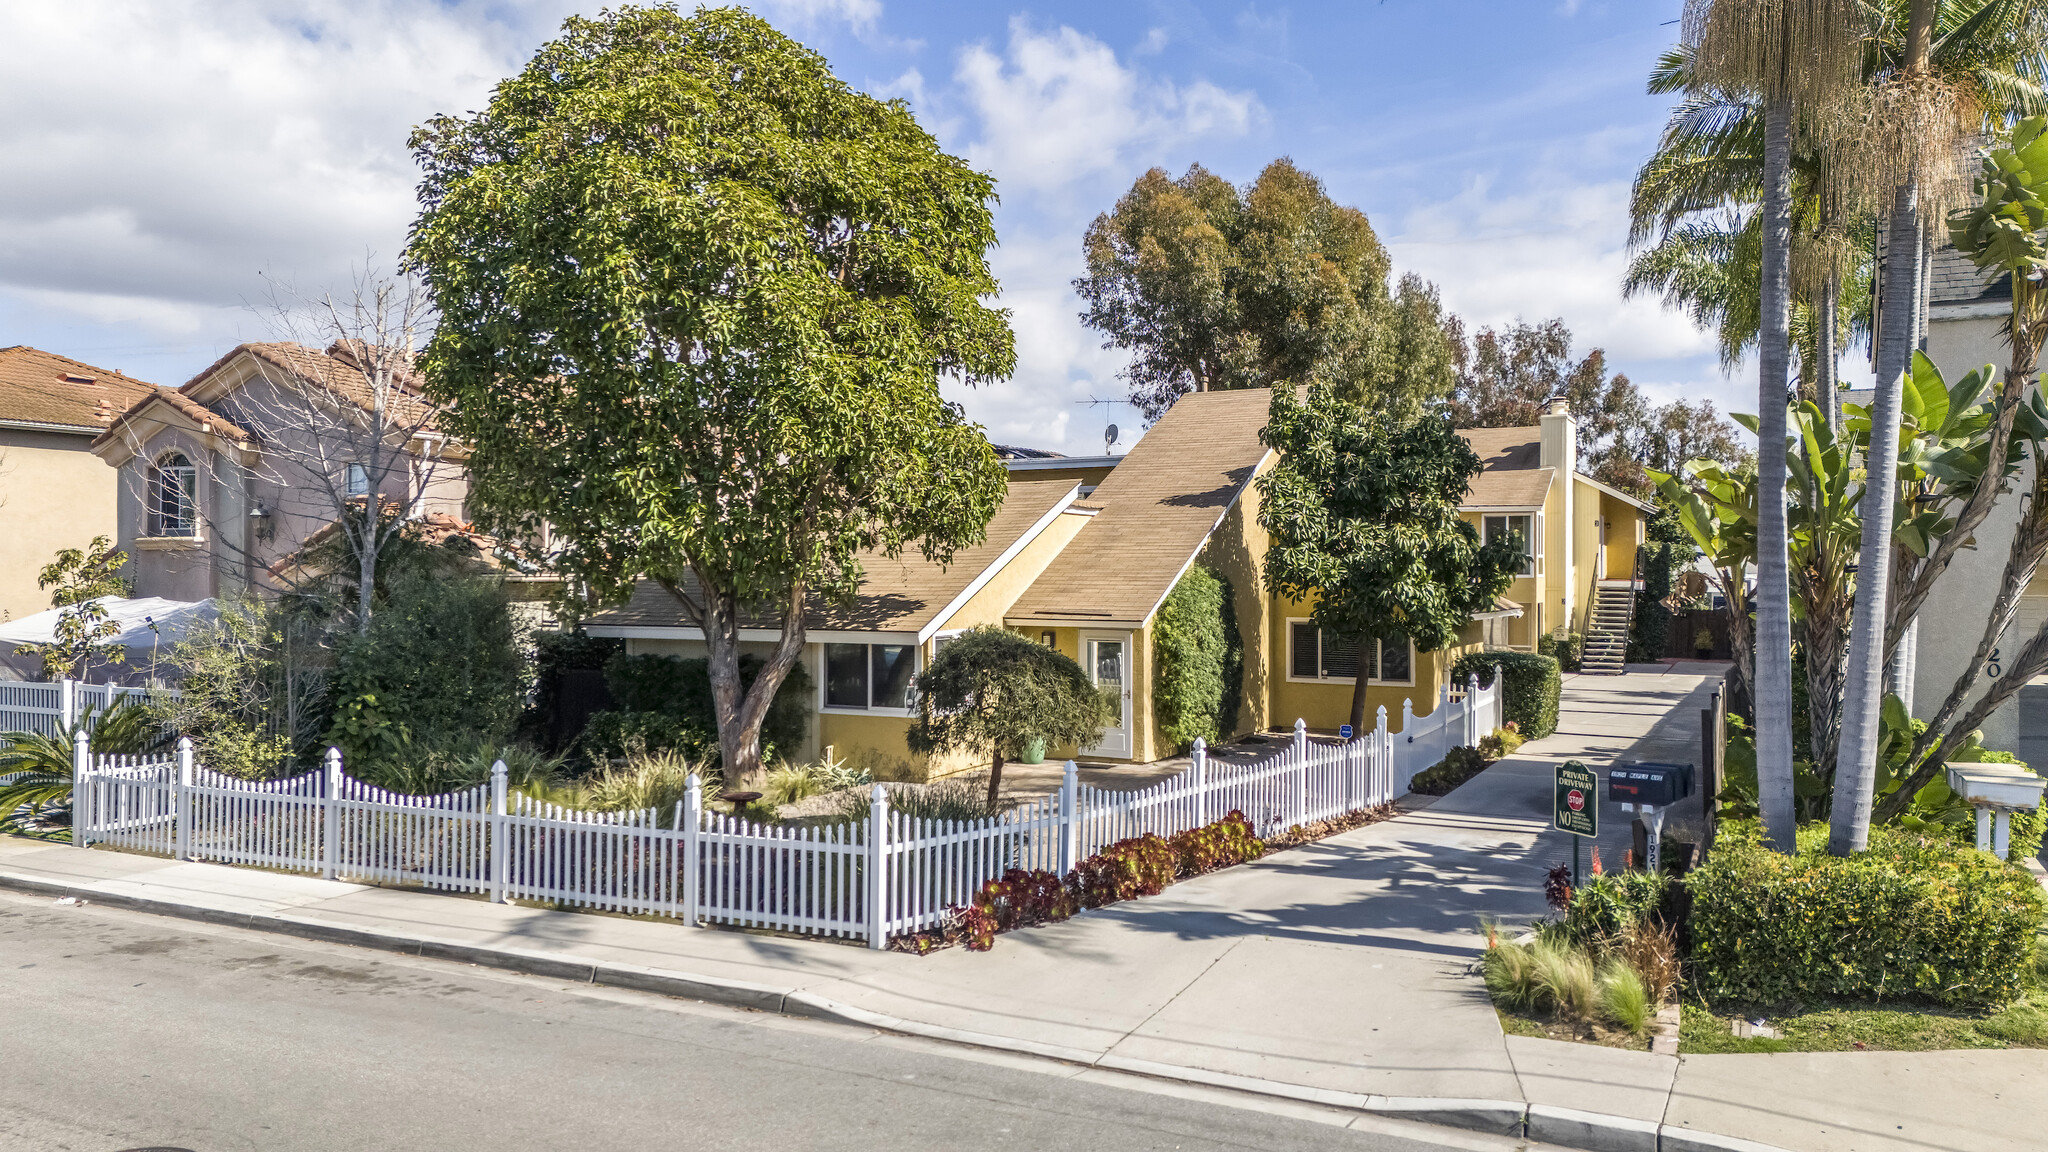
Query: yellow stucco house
point(54, 493)
point(1084, 551)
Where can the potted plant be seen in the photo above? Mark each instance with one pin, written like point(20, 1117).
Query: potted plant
point(1703, 644)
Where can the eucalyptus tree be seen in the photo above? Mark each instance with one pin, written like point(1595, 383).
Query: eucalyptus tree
point(1798, 56)
point(696, 296)
point(1213, 287)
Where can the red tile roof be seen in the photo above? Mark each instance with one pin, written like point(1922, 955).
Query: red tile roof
point(38, 387)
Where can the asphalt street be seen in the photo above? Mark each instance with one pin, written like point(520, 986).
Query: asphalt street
point(120, 1030)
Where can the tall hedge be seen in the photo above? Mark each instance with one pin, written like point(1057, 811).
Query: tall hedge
point(1912, 918)
point(1650, 632)
point(1533, 687)
point(1198, 660)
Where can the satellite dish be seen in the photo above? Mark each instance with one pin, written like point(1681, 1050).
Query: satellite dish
point(1108, 439)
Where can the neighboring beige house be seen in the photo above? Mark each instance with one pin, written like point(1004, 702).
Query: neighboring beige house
point(1083, 551)
point(223, 477)
point(1966, 312)
point(54, 493)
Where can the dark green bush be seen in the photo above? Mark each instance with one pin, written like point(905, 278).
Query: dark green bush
point(614, 734)
point(1198, 660)
point(440, 668)
point(681, 690)
point(1533, 687)
point(553, 654)
point(1912, 918)
point(1650, 632)
point(1457, 766)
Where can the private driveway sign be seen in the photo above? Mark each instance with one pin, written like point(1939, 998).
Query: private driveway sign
point(1577, 807)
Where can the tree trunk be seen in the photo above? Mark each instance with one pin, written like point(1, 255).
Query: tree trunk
point(366, 567)
point(995, 779)
point(1863, 680)
point(1773, 698)
point(741, 712)
point(1828, 355)
point(1358, 686)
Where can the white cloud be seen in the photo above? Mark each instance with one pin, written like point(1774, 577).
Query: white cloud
point(861, 15)
point(1058, 108)
point(209, 140)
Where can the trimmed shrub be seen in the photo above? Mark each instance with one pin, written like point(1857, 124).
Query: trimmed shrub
point(1649, 634)
point(1565, 652)
point(680, 690)
point(612, 736)
point(1533, 687)
point(1218, 845)
point(1502, 741)
point(1141, 866)
point(1198, 660)
point(1457, 766)
point(1912, 918)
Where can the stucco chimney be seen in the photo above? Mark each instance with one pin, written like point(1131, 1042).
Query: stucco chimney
point(1560, 442)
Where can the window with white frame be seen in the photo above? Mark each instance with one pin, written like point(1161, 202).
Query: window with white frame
point(1315, 654)
point(1524, 523)
point(864, 677)
point(173, 496)
point(358, 481)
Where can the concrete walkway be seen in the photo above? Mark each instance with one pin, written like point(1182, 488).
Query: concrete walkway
point(1340, 973)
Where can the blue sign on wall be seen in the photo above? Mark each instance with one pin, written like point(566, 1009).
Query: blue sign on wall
point(1344, 732)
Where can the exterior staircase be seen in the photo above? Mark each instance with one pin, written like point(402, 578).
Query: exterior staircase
point(1605, 651)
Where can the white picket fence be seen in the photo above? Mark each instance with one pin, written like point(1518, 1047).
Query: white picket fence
point(889, 875)
point(49, 708)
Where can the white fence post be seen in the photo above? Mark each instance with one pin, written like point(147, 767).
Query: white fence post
point(692, 829)
point(67, 701)
point(1472, 722)
point(1300, 771)
point(183, 799)
point(497, 827)
point(1200, 767)
point(1354, 772)
point(81, 789)
point(878, 874)
point(1383, 770)
point(330, 818)
point(1070, 818)
point(1500, 699)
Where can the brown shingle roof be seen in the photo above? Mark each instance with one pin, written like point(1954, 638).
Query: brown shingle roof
point(897, 595)
point(1512, 478)
point(38, 387)
point(1159, 505)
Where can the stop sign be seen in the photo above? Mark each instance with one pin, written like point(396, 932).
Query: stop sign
point(1576, 799)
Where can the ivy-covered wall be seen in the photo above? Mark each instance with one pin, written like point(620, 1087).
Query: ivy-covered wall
point(1198, 669)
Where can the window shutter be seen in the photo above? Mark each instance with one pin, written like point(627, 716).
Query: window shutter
point(1304, 661)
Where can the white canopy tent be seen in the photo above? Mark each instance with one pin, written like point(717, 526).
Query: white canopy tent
point(150, 626)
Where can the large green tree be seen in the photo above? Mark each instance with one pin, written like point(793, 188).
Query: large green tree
point(696, 296)
point(1213, 287)
point(1363, 509)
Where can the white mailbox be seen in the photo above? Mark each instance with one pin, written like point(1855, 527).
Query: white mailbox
point(1995, 791)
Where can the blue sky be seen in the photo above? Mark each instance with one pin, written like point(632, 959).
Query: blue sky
point(222, 145)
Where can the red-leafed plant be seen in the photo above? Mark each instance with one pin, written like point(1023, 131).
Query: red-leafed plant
point(1141, 866)
point(1219, 845)
point(1022, 898)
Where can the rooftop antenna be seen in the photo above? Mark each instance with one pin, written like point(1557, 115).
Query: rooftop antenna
point(1109, 434)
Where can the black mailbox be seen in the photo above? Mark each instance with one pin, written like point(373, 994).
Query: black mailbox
point(1650, 785)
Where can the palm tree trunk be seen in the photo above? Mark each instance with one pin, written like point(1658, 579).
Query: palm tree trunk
point(1856, 764)
point(1773, 589)
point(1829, 356)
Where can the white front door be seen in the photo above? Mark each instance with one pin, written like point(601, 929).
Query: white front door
point(1107, 659)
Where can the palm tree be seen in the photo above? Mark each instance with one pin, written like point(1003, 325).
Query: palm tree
point(1797, 56)
point(1916, 120)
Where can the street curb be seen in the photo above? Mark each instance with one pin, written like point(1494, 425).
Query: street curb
point(1592, 1131)
point(1589, 1131)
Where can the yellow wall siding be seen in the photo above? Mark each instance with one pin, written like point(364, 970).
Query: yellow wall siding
point(54, 494)
point(1326, 704)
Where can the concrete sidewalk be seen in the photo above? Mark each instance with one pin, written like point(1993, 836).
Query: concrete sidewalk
point(1340, 973)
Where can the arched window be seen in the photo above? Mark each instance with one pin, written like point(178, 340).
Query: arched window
point(173, 502)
